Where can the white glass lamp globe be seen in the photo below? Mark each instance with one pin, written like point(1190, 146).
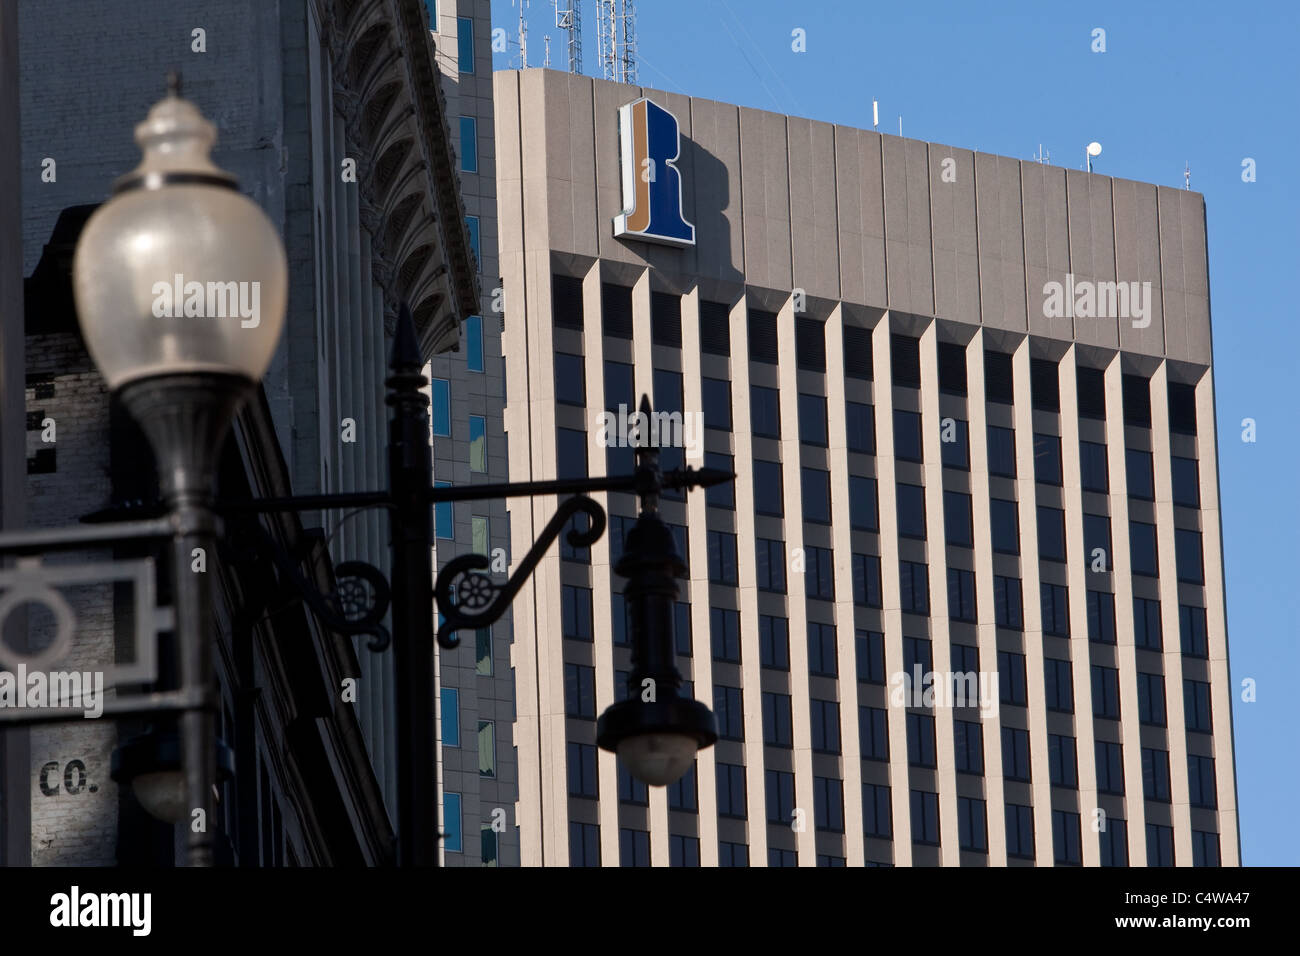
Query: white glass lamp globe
point(658, 759)
point(179, 272)
point(162, 794)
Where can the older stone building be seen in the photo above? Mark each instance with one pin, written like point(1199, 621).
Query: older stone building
point(333, 117)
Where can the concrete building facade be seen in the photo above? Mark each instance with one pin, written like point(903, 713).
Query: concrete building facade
point(940, 466)
point(475, 681)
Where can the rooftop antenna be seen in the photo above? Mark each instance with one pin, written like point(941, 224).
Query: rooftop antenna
point(523, 32)
point(1187, 175)
point(875, 114)
point(900, 126)
point(547, 41)
point(1043, 158)
point(1093, 150)
point(616, 34)
point(569, 19)
point(627, 16)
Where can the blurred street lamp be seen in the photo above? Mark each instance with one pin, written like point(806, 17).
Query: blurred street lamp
point(180, 284)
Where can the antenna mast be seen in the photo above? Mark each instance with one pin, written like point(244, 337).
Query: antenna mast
point(628, 17)
point(616, 32)
point(523, 32)
point(569, 19)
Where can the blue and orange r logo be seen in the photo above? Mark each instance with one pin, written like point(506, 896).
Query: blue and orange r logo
point(649, 143)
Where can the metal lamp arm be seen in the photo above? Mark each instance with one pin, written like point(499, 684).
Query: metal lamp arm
point(476, 600)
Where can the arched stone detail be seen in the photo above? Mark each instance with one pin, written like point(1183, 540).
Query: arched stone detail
point(387, 88)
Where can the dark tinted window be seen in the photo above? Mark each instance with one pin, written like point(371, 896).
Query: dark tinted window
point(1051, 533)
point(616, 310)
point(566, 302)
point(907, 435)
point(1190, 559)
point(1092, 392)
point(816, 495)
point(1141, 474)
point(723, 495)
point(1002, 451)
point(768, 488)
point(666, 319)
point(715, 328)
point(812, 419)
point(905, 360)
point(1044, 385)
point(911, 511)
point(1093, 467)
point(765, 411)
point(914, 585)
point(762, 337)
point(1047, 459)
point(952, 368)
point(861, 421)
point(998, 385)
point(957, 519)
point(1142, 548)
point(571, 453)
point(857, 353)
point(1096, 538)
point(866, 580)
point(863, 508)
point(1182, 408)
point(1187, 483)
point(810, 344)
point(618, 387)
point(1137, 401)
point(716, 393)
point(954, 443)
point(1101, 617)
point(1005, 522)
point(570, 388)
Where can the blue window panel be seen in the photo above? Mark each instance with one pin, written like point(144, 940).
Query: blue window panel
point(450, 717)
point(468, 144)
point(451, 840)
point(465, 44)
point(444, 523)
point(441, 389)
point(471, 223)
point(474, 340)
point(477, 443)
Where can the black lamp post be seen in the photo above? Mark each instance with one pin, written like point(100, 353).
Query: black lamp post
point(144, 277)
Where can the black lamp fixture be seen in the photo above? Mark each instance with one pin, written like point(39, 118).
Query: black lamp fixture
point(150, 763)
point(655, 731)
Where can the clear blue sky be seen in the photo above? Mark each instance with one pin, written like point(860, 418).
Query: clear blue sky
point(1206, 83)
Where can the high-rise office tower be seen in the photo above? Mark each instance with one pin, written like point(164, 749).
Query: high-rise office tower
point(969, 403)
point(476, 760)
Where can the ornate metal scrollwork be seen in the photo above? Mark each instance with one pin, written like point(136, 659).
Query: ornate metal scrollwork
point(475, 600)
point(360, 598)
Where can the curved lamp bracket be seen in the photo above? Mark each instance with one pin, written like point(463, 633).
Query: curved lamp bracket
point(359, 601)
point(475, 600)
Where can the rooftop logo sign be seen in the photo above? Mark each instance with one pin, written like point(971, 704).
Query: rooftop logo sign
point(649, 146)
